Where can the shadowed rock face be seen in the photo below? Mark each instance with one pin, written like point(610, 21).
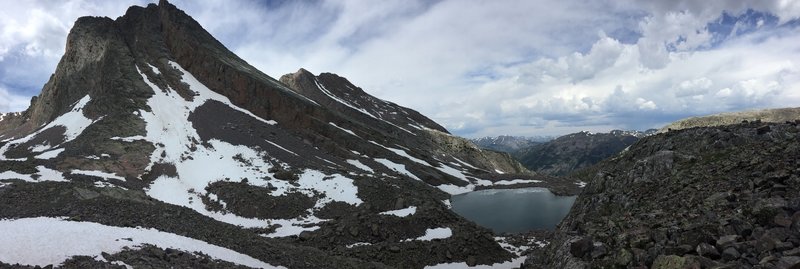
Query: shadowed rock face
point(572, 152)
point(712, 197)
point(259, 147)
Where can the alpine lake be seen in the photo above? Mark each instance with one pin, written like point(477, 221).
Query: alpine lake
point(513, 210)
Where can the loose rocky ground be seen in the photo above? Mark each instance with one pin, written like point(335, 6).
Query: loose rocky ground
point(718, 197)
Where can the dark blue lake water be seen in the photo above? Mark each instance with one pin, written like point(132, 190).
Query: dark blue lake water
point(513, 210)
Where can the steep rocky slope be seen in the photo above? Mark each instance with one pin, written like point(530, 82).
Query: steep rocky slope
point(765, 115)
point(713, 197)
point(150, 129)
point(572, 152)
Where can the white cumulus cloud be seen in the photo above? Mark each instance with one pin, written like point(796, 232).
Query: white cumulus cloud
point(483, 67)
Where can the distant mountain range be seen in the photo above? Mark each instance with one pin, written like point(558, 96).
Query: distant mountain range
point(509, 144)
point(562, 155)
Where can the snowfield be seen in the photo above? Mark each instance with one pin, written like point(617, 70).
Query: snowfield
point(73, 121)
point(43, 241)
point(202, 165)
point(400, 168)
point(435, 233)
point(408, 211)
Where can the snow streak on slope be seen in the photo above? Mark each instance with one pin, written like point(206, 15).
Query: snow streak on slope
point(49, 154)
point(337, 99)
point(343, 129)
point(360, 165)
point(205, 94)
point(456, 190)
point(43, 241)
point(400, 168)
point(404, 154)
point(73, 121)
point(517, 181)
point(14, 175)
point(359, 109)
point(199, 164)
point(43, 174)
point(97, 174)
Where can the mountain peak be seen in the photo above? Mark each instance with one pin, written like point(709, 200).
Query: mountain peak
point(149, 115)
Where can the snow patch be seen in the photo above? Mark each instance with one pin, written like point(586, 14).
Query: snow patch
point(291, 227)
point(435, 233)
point(400, 168)
point(343, 129)
point(324, 90)
point(129, 139)
point(452, 171)
point(517, 181)
point(408, 211)
point(198, 165)
point(73, 121)
point(14, 175)
point(358, 244)
point(97, 174)
point(47, 174)
point(403, 153)
point(337, 99)
point(456, 190)
point(465, 163)
point(43, 241)
point(360, 165)
point(155, 70)
point(204, 94)
point(282, 148)
point(49, 154)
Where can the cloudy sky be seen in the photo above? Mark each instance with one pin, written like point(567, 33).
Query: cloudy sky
point(528, 67)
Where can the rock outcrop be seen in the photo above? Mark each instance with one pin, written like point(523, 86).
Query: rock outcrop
point(778, 115)
point(712, 197)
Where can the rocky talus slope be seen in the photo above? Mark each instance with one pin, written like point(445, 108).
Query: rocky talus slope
point(764, 115)
point(156, 146)
point(712, 197)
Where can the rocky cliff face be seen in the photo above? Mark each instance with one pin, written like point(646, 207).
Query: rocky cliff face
point(714, 197)
point(151, 128)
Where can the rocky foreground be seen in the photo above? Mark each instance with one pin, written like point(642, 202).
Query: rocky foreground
point(712, 197)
